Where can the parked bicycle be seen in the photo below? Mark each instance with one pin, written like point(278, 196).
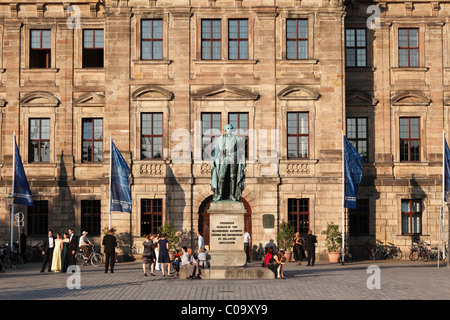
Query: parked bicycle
point(419, 251)
point(34, 253)
point(370, 251)
point(389, 251)
point(94, 258)
point(10, 257)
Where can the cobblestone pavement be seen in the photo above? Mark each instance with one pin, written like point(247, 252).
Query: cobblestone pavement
point(399, 280)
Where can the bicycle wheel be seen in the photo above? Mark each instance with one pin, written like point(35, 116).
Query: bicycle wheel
point(96, 259)
point(414, 255)
point(398, 254)
point(19, 262)
point(424, 256)
point(79, 259)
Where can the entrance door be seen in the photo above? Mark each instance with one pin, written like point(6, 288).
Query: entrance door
point(203, 222)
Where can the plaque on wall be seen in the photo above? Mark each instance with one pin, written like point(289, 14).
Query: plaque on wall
point(268, 221)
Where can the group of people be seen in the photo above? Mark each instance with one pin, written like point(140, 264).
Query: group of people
point(156, 254)
point(275, 262)
point(59, 252)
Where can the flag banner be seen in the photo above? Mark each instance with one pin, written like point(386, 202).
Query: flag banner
point(446, 170)
point(120, 191)
point(22, 193)
point(353, 170)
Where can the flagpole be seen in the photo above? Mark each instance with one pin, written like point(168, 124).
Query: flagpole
point(13, 178)
point(343, 197)
point(443, 198)
point(110, 172)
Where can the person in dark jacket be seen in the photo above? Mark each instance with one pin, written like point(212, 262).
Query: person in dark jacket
point(73, 246)
point(310, 244)
point(49, 245)
point(110, 243)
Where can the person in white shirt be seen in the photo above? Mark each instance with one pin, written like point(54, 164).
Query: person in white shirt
point(247, 238)
point(201, 240)
point(85, 244)
point(188, 262)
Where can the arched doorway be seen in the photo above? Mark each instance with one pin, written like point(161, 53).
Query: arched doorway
point(203, 218)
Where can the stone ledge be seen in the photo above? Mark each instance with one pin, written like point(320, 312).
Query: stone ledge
point(243, 273)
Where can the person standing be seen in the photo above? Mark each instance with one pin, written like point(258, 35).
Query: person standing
point(56, 260)
point(247, 238)
point(310, 244)
point(110, 243)
point(23, 245)
point(65, 252)
point(73, 246)
point(148, 256)
point(49, 245)
point(201, 241)
point(298, 249)
point(163, 248)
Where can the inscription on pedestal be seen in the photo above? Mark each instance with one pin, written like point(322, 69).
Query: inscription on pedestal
point(227, 232)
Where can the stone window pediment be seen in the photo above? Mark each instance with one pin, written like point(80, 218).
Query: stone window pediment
point(410, 98)
point(298, 92)
point(357, 97)
point(224, 93)
point(39, 99)
point(90, 99)
point(152, 93)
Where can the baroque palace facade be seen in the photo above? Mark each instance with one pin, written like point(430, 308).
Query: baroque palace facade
point(164, 76)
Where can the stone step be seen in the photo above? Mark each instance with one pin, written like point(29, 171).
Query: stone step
point(243, 273)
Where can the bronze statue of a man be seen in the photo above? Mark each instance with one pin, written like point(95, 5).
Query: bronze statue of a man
point(227, 166)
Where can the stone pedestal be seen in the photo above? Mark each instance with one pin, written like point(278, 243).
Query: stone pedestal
point(226, 237)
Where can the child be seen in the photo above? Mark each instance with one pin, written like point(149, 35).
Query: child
point(202, 258)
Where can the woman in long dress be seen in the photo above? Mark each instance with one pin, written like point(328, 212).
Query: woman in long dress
point(56, 261)
point(163, 258)
point(65, 253)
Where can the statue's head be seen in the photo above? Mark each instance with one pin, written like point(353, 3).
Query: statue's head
point(228, 128)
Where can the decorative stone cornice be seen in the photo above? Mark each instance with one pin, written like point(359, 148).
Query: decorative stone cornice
point(298, 92)
point(224, 93)
point(39, 99)
point(152, 93)
point(410, 98)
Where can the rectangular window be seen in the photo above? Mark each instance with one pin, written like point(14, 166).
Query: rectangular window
point(355, 48)
point(411, 216)
point(39, 142)
point(357, 135)
point(91, 216)
point(359, 218)
point(40, 49)
point(297, 135)
point(93, 48)
point(37, 218)
point(211, 39)
point(92, 140)
point(239, 121)
point(151, 136)
point(296, 39)
point(408, 47)
point(238, 39)
point(151, 216)
point(409, 139)
point(298, 215)
point(211, 129)
point(151, 39)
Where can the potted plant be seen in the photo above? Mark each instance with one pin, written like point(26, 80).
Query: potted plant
point(333, 241)
point(285, 236)
point(172, 237)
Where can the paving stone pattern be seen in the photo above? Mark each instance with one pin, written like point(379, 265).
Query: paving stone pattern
point(399, 280)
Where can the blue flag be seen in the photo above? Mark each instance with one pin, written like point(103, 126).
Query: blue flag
point(353, 170)
point(120, 191)
point(447, 169)
point(22, 193)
